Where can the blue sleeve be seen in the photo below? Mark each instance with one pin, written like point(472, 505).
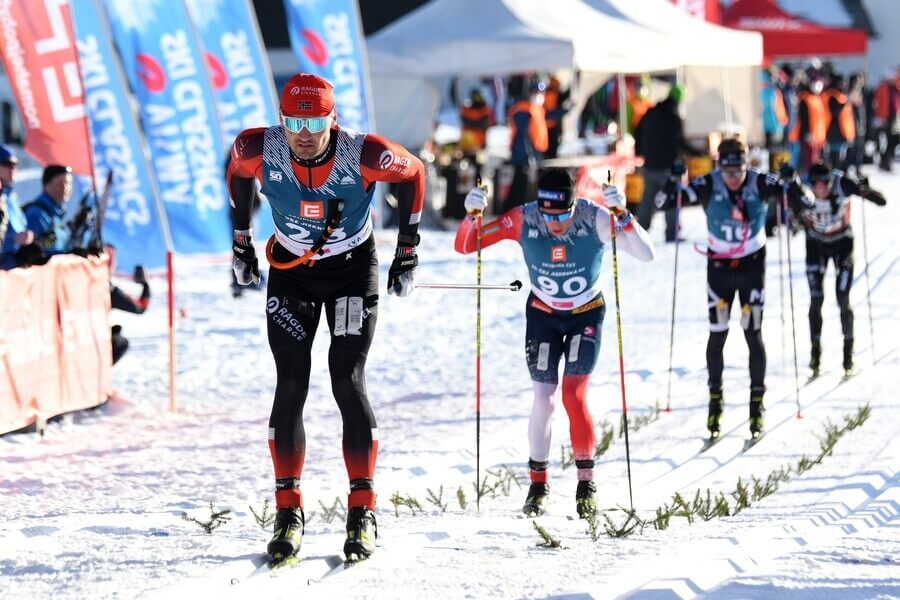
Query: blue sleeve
point(38, 220)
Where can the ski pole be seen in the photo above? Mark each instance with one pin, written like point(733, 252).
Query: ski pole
point(615, 261)
point(778, 223)
point(787, 220)
point(862, 211)
point(513, 286)
point(478, 222)
point(674, 289)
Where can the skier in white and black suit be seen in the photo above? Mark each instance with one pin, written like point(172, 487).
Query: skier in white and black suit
point(829, 237)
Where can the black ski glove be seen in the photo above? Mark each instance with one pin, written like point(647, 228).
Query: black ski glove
point(244, 263)
point(402, 274)
point(786, 171)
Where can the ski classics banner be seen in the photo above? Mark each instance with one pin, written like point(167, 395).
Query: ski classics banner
point(237, 64)
point(132, 222)
point(38, 51)
point(168, 76)
point(327, 40)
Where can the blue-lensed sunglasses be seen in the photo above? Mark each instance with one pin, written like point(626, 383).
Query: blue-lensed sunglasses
point(312, 124)
point(561, 217)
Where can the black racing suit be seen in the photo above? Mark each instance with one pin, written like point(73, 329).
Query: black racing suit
point(829, 238)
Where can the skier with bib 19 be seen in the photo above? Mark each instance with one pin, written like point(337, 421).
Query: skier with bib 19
point(736, 200)
point(829, 236)
point(562, 239)
point(319, 179)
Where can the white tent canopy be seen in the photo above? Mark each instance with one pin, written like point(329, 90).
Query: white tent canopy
point(597, 37)
point(465, 38)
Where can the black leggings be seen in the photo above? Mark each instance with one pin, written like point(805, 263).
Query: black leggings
point(818, 255)
point(746, 276)
point(348, 292)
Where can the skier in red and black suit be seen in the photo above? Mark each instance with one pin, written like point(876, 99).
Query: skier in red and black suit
point(319, 179)
point(829, 237)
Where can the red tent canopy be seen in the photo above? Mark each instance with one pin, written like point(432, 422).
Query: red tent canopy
point(787, 35)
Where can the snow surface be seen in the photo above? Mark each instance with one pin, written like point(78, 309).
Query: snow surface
point(93, 508)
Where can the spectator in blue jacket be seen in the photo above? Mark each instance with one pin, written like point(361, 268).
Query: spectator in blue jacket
point(47, 213)
point(17, 234)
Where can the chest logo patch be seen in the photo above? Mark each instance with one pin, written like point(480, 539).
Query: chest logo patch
point(312, 209)
point(275, 176)
point(558, 254)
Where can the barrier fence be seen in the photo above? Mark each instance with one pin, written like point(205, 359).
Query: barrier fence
point(55, 349)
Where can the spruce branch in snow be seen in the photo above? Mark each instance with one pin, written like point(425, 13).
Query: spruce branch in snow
point(330, 513)
point(264, 518)
point(547, 540)
point(632, 521)
point(437, 499)
point(741, 496)
point(567, 458)
point(606, 439)
point(216, 518)
point(593, 524)
point(663, 517)
point(397, 500)
point(461, 497)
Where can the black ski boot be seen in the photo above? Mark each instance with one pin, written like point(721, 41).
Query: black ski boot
point(848, 357)
point(289, 526)
point(757, 413)
point(536, 501)
point(715, 413)
point(815, 357)
point(362, 531)
point(585, 499)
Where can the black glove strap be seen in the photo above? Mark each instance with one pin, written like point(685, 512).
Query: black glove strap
point(408, 240)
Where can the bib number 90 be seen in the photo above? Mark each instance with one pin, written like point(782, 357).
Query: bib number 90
point(570, 287)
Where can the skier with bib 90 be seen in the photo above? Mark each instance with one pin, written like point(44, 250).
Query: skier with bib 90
point(562, 239)
point(319, 179)
point(736, 201)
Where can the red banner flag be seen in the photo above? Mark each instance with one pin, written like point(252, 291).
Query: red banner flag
point(38, 49)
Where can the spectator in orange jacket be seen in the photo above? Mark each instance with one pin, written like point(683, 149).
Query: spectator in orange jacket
point(555, 108)
point(887, 118)
point(840, 129)
point(476, 117)
point(811, 126)
point(528, 142)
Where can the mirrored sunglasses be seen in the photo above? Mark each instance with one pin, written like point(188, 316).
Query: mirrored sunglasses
point(312, 124)
point(733, 173)
point(561, 217)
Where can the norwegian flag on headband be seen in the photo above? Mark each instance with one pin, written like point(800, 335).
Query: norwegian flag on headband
point(38, 49)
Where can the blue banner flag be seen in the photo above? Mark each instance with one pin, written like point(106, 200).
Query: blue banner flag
point(238, 66)
point(131, 222)
point(169, 80)
point(327, 40)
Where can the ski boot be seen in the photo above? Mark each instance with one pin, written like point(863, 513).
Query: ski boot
point(585, 499)
point(848, 357)
point(815, 358)
point(285, 543)
point(757, 413)
point(362, 531)
point(715, 414)
point(536, 501)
